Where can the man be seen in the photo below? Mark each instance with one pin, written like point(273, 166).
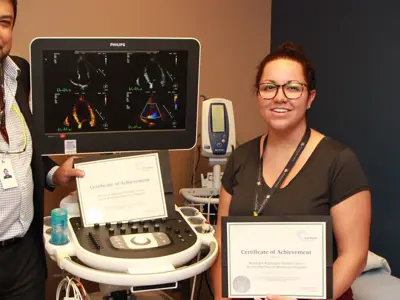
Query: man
point(7, 174)
point(22, 256)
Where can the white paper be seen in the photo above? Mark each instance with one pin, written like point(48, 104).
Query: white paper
point(287, 259)
point(121, 189)
point(70, 146)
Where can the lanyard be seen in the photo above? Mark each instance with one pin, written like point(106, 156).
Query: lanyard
point(281, 177)
point(23, 124)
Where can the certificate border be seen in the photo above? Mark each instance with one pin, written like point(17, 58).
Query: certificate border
point(284, 219)
point(92, 160)
point(319, 224)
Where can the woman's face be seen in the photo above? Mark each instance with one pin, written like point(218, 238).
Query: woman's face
point(283, 111)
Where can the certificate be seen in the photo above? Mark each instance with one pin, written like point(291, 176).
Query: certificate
point(288, 256)
point(126, 188)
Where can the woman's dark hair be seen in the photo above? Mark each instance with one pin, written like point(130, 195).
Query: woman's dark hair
point(291, 51)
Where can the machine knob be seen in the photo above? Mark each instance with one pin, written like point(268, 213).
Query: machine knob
point(96, 225)
point(122, 230)
point(108, 225)
point(187, 230)
point(119, 224)
point(111, 230)
point(134, 229)
point(177, 231)
point(140, 240)
point(157, 227)
point(145, 228)
point(169, 227)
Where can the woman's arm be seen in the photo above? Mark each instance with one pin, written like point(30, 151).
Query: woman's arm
point(216, 269)
point(351, 226)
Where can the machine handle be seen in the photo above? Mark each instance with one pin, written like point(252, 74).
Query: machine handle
point(123, 279)
point(206, 198)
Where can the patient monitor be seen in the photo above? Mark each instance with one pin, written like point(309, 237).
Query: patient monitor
point(218, 128)
point(218, 140)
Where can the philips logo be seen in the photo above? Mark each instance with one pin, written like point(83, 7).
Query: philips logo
point(117, 45)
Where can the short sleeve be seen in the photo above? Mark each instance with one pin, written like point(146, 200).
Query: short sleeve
point(228, 176)
point(347, 177)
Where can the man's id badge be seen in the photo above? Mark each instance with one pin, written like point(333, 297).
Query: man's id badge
point(7, 176)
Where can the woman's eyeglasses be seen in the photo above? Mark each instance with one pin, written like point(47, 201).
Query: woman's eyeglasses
point(291, 90)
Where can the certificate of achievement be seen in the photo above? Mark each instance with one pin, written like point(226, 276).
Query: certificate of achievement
point(286, 256)
point(126, 188)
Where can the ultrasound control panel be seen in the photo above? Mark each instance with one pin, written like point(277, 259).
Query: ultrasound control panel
point(142, 239)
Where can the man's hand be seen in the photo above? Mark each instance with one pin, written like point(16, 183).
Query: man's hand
point(66, 173)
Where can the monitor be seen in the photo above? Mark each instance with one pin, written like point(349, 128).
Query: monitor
point(218, 138)
point(111, 95)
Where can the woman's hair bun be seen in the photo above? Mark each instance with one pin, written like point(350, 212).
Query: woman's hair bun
point(290, 47)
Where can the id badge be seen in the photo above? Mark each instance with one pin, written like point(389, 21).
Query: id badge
point(7, 175)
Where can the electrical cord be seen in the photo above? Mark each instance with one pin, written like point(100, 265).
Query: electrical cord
point(194, 280)
point(196, 165)
point(208, 208)
point(205, 275)
point(195, 168)
point(204, 97)
point(208, 285)
point(200, 285)
point(71, 285)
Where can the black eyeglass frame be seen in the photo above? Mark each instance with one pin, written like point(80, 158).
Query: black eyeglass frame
point(278, 86)
point(4, 152)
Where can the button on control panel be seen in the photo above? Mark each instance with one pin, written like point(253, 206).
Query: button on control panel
point(140, 240)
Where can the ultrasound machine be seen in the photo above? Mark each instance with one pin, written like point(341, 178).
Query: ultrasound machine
point(105, 99)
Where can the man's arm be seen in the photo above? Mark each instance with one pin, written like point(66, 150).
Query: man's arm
point(50, 168)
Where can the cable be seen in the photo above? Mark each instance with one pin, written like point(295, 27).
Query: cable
point(196, 166)
point(204, 97)
point(200, 284)
point(194, 280)
point(208, 285)
point(198, 154)
point(67, 284)
point(208, 208)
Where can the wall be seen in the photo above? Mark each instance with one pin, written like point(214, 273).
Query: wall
point(234, 37)
point(354, 46)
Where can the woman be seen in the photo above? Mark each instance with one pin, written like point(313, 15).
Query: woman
point(325, 179)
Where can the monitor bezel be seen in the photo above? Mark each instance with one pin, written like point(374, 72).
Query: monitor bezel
point(115, 142)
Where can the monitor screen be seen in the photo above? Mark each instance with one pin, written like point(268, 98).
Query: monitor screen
point(98, 95)
point(218, 118)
